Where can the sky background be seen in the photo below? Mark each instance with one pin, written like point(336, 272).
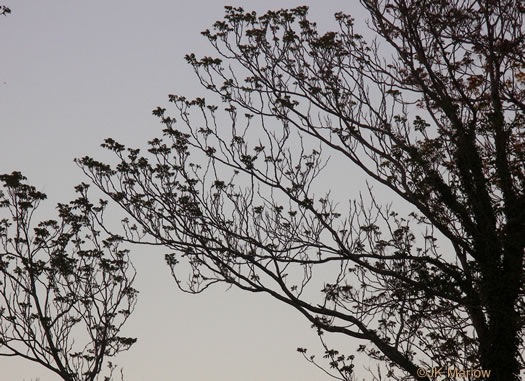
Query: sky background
point(73, 73)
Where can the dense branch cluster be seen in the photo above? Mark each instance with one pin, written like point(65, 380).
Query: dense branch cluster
point(65, 292)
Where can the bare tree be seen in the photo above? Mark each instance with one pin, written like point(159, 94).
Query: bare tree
point(64, 291)
point(432, 108)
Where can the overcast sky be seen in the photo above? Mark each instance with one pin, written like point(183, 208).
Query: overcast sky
point(75, 72)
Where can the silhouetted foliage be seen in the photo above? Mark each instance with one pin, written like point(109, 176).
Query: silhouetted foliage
point(433, 109)
point(4, 11)
point(64, 291)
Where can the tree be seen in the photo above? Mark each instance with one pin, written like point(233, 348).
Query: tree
point(64, 291)
point(433, 109)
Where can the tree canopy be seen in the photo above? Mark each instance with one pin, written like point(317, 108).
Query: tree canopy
point(65, 292)
point(432, 108)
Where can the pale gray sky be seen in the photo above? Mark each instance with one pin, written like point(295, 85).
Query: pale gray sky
point(75, 72)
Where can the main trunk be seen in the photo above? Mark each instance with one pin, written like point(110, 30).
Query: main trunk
point(501, 290)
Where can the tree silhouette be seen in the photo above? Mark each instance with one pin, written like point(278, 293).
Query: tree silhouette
point(432, 108)
point(64, 291)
